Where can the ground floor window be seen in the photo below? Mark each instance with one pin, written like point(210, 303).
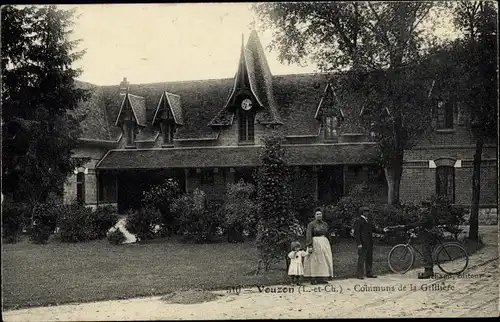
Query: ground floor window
point(445, 182)
point(80, 188)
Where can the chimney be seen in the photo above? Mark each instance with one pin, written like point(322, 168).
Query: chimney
point(124, 86)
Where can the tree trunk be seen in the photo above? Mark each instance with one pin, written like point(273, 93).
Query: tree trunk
point(393, 177)
point(476, 192)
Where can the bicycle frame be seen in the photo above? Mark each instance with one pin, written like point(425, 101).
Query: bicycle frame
point(437, 243)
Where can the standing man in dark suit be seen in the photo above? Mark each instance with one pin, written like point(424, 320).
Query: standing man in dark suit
point(363, 233)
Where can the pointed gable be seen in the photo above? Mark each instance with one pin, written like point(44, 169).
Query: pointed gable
point(253, 72)
point(137, 105)
point(173, 103)
point(329, 104)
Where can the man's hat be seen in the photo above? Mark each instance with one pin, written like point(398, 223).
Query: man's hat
point(294, 244)
point(363, 208)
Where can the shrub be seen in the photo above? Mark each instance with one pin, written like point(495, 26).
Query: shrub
point(76, 223)
point(105, 217)
point(161, 197)
point(44, 222)
point(116, 237)
point(196, 222)
point(143, 222)
point(239, 210)
point(15, 216)
point(448, 214)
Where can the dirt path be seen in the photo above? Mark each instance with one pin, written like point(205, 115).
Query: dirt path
point(474, 295)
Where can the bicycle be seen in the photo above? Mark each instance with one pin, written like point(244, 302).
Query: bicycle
point(443, 252)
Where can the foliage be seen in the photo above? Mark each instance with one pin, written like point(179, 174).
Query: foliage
point(38, 94)
point(478, 22)
point(76, 223)
point(380, 43)
point(239, 210)
point(303, 198)
point(143, 222)
point(161, 197)
point(447, 214)
point(105, 217)
point(44, 222)
point(196, 221)
point(15, 217)
point(116, 237)
point(276, 217)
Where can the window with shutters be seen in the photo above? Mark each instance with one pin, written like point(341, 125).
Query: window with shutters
point(445, 182)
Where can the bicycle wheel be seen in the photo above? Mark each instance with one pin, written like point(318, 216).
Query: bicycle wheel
point(401, 258)
point(452, 258)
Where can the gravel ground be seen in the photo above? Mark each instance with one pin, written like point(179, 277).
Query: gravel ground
point(474, 294)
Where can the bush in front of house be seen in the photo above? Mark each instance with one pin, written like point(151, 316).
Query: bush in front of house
point(116, 237)
point(44, 222)
point(105, 217)
point(161, 197)
point(15, 217)
point(448, 214)
point(239, 210)
point(76, 223)
point(143, 222)
point(196, 221)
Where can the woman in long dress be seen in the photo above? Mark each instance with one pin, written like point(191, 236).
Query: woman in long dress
point(318, 266)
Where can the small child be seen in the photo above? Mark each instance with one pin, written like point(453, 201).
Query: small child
point(296, 270)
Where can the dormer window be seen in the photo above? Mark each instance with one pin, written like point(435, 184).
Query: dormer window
point(129, 127)
point(168, 116)
point(167, 123)
point(329, 113)
point(445, 115)
point(131, 117)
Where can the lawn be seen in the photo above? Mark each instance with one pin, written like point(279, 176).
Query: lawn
point(56, 273)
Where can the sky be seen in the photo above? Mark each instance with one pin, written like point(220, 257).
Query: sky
point(165, 42)
point(168, 42)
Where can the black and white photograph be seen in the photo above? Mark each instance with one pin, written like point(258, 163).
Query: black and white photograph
point(250, 160)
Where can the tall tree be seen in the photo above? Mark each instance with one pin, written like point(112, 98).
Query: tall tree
point(364, 37)
point(478, 22)
point(38, 94)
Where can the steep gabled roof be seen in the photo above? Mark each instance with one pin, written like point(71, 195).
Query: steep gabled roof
point(138, 106)
point(174, 104)
point(252, 63)
point(263, 79)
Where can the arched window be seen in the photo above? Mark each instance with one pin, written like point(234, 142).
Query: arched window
point(246, 129)
point(445, 182)
point(80, 188)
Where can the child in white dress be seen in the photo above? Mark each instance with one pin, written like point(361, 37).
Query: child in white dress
point(296, 269)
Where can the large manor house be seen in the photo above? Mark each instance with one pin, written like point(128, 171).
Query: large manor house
point(207, 133)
